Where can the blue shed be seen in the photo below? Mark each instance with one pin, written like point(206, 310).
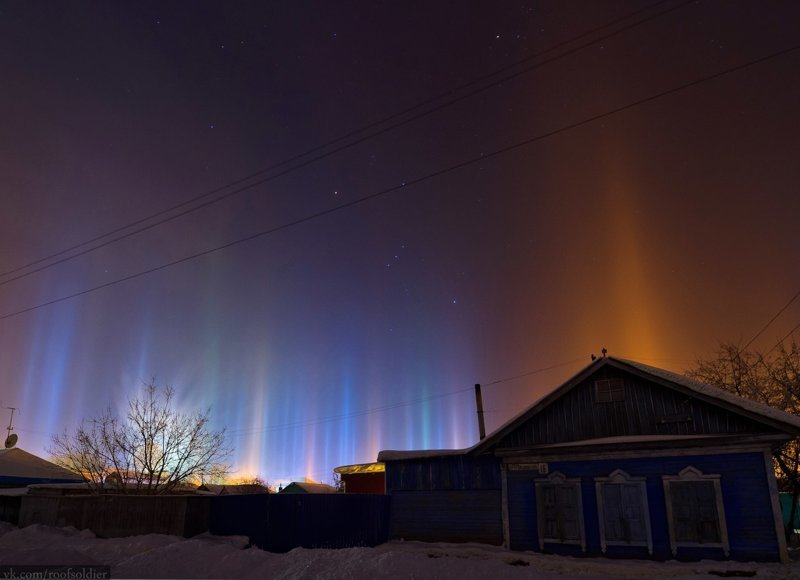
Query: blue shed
point(623, 460)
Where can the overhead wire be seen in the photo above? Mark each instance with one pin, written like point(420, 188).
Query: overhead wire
point(529, 373)
point(483, 157)
point(244, 180)
point(354, 414)
point(770, 321)
point(389, 407)
point(780, 342)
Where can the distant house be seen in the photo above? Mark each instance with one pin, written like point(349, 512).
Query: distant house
point(19, 468)
point(233, 489)
point(306, 487)
point(211, 488)
point(363, 477)
point(623, 460)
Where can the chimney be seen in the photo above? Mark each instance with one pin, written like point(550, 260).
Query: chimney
point(479, 404)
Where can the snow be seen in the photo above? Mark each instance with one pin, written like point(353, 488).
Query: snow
point(703, 389)
point(393, 455)
point(207, 556)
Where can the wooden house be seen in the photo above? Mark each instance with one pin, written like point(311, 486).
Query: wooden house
point(622, 460)
point(308, 487)
point(19, 468)
point(233, 488)
point(363, 478)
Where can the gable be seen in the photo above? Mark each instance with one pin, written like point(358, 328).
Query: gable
point(612, 402)
point(18, 464)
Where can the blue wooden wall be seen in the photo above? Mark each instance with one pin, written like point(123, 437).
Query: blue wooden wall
point(745, 494)
point(447, 516)
point(452, 498)
point(279, 523)
point(449, 472)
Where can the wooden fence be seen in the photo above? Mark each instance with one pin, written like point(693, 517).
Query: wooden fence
point(113, 516)
point(274, 522)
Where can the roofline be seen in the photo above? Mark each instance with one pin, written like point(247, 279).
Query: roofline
point(398, 455)
point(791, 427)
point(682, 383)
point(371, 467)
point(512, 423)
point(648, 442)
point(480, 446)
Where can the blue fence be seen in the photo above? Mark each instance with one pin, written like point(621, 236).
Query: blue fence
point(786, 509)
point(278, 522)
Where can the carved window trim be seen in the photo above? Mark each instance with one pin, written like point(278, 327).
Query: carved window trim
point(620, 478)
point(558, 481)
point(692, 474)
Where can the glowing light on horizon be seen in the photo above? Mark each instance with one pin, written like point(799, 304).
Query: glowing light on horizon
point(627, 306)
point(276, 410)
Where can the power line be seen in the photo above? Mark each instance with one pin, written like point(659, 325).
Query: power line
point(771, 320)
point(389, 407)
point(529, 373)
point(479, 159)
point(331, 418)
point(243, 182)
point(780, 342)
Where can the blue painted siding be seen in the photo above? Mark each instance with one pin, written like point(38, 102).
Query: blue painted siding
point(745, 495)
point(446, 499)
point(9, 481)
point(458, 472)
point(279, 523)
point(447, 516)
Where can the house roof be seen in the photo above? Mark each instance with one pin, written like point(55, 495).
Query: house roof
point(18, 466)
point(763, 413)
point(752, 409)
point(756, 410)
point(394, 455)
point(215, 488)
point(244, 489)
point(306, 487)
point(233, 488)
point(359, 468)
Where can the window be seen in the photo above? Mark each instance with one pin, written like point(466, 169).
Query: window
point(559, 510)
point(609, 390)
point(623, 512)
point(695, 510)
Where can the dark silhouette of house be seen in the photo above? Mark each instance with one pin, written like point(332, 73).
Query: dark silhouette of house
point(234, 489)
point(363, 477)
point(19, 468)
point(623, 459)
point(308, 487)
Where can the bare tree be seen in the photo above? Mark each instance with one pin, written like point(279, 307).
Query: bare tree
point(216, 474)
point(90, 451)
point(772, 378)
point(153, 449)
point(338, 483)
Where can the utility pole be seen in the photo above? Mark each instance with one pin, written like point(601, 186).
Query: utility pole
point(479, 405)
point(10, 421)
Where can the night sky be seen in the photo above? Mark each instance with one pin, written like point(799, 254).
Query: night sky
point(656, 231)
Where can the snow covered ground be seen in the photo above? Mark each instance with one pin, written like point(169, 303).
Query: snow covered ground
point(160, 556)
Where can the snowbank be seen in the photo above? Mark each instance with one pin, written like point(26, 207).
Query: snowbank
point(206, 556)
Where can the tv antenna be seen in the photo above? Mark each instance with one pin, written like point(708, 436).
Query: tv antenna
point(12, 438)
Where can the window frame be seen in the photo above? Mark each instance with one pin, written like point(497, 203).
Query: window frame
point(556, 479)
point(620, 477)
point(609, 390)
point(692, 474)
